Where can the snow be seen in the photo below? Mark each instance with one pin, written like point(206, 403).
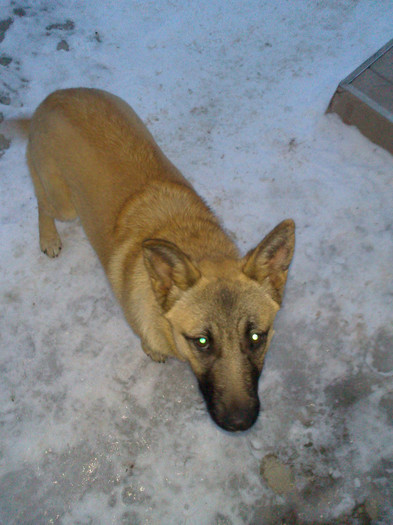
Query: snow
point(235, 92)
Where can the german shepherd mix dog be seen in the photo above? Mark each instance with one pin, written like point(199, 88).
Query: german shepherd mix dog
point(183, 287)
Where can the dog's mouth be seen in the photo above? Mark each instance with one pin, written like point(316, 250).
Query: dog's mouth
point(238, 415)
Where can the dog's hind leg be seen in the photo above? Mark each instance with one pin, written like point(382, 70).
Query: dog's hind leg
point(50, 242)
point(53, 203)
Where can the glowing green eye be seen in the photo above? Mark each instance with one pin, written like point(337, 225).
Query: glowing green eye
point(257, 339)
point(202, 342)
point(254, 337)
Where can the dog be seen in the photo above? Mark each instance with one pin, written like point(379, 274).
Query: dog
point(183, 287)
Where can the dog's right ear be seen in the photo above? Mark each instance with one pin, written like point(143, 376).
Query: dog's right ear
point(170, 270)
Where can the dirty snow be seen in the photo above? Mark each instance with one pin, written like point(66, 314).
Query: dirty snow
point(91, 430)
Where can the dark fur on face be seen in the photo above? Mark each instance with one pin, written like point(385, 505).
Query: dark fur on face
point(240, 414)
point(232, 362)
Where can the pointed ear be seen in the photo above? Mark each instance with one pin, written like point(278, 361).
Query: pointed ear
point(269, 261)
point(170, 270)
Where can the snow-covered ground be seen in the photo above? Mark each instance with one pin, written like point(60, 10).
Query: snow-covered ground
point(91, 430)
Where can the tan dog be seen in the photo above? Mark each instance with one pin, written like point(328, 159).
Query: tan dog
point(178, 276)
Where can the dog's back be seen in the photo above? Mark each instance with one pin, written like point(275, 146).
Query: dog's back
point(91, 152)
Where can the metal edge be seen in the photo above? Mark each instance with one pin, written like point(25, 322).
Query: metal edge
point(370, 102)
point(359, 70)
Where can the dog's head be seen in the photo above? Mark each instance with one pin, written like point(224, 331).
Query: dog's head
point(221, 314)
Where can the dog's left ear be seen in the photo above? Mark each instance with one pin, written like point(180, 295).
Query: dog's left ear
point(271, 258)
point(171, 271)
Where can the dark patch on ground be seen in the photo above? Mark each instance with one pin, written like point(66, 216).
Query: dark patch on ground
point(221, 519)
point(132, 494)
point(4, 144)
point(274, 515)
point(19, 11)
point(381, 348)
point(25, 498)
point(319, 489)
point(4, 26)
point(347, 391)
point(63, 45)
point(285, 515)
point(11, 83)
point(5, 60)
point(68, 25)
point(386, 404)
point(358, 516)
point(130, 517)
point(5, 99)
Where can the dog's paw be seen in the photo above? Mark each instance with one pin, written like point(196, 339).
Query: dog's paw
point(51, 246)
point(155, 356)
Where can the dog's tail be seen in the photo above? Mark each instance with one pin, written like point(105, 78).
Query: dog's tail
point(13, 129)
point(17, 127)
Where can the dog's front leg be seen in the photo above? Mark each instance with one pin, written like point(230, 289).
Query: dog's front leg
point(153, 354)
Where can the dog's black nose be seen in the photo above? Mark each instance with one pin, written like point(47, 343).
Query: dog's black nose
point(240, 417)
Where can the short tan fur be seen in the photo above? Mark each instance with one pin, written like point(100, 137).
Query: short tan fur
point(182, 284)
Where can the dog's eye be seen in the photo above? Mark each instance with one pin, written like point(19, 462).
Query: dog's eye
point(202, 342)
point(256, 339)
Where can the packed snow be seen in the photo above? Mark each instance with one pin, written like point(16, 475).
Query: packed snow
point(94, 432)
